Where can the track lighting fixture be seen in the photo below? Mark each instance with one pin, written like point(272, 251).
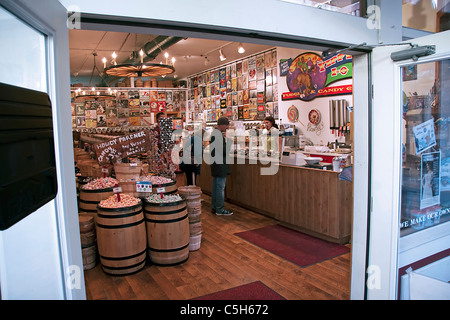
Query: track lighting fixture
point(241, 48)
point(222, 56)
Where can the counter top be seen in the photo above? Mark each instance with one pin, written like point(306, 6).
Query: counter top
point(309, 200)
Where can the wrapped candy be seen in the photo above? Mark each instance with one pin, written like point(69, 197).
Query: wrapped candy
point(101, 183)
point(126, 200)
point(166, 198)
point(155, 180)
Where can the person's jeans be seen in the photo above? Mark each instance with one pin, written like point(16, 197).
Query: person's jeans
point(218, 193)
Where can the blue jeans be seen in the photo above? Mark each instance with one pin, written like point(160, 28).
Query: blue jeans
point(218, 193)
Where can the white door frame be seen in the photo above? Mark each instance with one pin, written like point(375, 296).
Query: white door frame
point(50, 18)
point(384, 242)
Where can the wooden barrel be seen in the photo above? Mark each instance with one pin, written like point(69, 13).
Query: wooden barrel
point(192, 194)
point(97, 171)
point(194, 242)
point(121, 239)
point(88, 241)
point(129, 187)
point(127, 171)
point(80, 154)
point(167, 232)
point(169, 188)
point(89, 199)
point(87, 167)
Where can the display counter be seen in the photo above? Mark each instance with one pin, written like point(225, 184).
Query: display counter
point(309, 200)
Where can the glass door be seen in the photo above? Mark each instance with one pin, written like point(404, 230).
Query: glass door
point(425, 146)
point(425, 182)
point(409, 224)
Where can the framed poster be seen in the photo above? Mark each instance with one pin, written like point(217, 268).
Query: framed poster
point(430, 173)
point(424, 136)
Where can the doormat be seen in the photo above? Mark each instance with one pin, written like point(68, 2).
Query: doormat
point(250, 291)
point(296, 247)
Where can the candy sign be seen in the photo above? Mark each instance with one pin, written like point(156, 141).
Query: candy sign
point(121, 147)
point(308, 75)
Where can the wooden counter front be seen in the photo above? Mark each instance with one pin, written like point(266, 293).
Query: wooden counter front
point(313, 201)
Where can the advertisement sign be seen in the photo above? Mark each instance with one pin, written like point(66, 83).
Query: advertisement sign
point(308, 75)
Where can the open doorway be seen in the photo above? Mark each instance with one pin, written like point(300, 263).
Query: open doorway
point(180, 288)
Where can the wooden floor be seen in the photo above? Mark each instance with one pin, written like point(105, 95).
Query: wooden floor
point(225, 261)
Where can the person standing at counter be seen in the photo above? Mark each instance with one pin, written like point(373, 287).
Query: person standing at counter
point(192, 157)
point(271, 130)
point(219, 166)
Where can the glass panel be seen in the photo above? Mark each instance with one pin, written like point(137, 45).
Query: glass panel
point(352, 7)
point(22, 58)
point(426, 146)
point(426, 15)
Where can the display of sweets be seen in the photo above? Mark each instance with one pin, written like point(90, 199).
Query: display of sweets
point(166, 126)
point(165, 198)
point(155, 180)
point(126, 200)
point(101, 183)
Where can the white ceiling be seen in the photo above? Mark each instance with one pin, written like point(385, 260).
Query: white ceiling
point(189, 52)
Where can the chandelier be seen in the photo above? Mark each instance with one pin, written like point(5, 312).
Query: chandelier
point(94, 94)
point(142, 69)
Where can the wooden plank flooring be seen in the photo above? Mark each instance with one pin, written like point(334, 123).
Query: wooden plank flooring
point(225, 261)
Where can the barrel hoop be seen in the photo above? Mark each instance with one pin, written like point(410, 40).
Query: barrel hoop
point(126, 215)
point(123, 274)
point(87, 210)
point(97, 190)
point(166, 221)
point(168, 250)
point(121, 226)
point(125, 267)
point(123, 258)
point(121, 208)
point(89, 202)
point(170, 264)
point(166, 212)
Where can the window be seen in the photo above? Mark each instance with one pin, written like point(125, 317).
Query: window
point(22, 58)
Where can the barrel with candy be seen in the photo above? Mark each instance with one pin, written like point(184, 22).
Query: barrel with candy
point(121, 235)
point(93, 192)
point(167, 229)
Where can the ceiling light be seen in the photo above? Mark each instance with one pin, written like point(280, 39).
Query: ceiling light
point(241, 48)
point(206, 61)
point(142, 69)
point(93, 93)
point(222, 56)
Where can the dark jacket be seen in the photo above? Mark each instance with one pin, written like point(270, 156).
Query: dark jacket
point(223, 168)
point(194, 153)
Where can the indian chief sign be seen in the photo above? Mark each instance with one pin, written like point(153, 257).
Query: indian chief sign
point(122, 147)
point(308, 76)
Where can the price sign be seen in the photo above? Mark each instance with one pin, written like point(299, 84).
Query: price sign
point(143, 186)
point(161, 190)
point(117, 189)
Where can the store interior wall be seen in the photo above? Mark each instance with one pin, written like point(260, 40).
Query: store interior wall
point(304, 107)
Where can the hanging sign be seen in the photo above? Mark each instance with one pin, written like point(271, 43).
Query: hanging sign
point(121, 147)
point(308, 75)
